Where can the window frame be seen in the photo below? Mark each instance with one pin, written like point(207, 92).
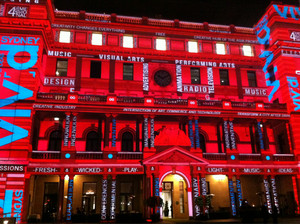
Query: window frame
point(228, 82)
point(197, 46)
point(63, 69)
point(99, 70)
point(218, 49)
point(131, 41)
point(64, 39)
point(199, 75)
point(251, 50)
point(132, 72)
point(95, 42)
point(157, 44)
point(252, 80)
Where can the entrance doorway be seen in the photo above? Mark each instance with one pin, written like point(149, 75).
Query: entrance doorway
point(174, 195)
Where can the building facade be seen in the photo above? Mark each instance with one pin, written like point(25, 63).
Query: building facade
point(101, 112)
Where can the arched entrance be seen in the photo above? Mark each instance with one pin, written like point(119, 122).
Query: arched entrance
point(175, 196)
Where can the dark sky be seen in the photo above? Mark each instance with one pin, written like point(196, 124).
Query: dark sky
point(237, 12)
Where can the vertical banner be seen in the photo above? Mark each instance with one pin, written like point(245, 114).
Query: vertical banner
point(232, 136)
point(260, 136)
point(267, 193)
point(67, 130)
point(104, 199)
point(239, 192)
point(114, 132)
point(191, 133)
point(70, 199)
point(210, 78)
point(275, 195)
point(74, 127)
point(195, 195)
point(197, 134)
point(232, 197)
point(226, 134)
point(113, 199)
point(146, 132)
point(145, 77)
point(152, 132)
point(156, 191)
point(179, 78)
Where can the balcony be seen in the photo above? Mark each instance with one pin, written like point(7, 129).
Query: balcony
point(283, 157)
point(130, 155)
point(250, 157)
point(215, 156)
point(45, 155)
point(89, 155)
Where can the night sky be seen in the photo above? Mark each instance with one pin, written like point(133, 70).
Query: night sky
point(237, 12)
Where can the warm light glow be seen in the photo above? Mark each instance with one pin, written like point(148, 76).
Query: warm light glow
point(193, 46)
point(67, 177)
point(220, 48)
point(56, 118)
point(219, 177)
point(5, 222)
point(97, 39)
point(177, 177)
point(128, 41)
point(247, 50)
point(64, 36)
point(161, 44)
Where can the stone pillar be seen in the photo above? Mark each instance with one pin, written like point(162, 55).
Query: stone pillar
point(146, 135)
point(114, 132)
point(60, 198)
point(113, 198)
point(151, 132)
point(25, 207)
point(67, 130)
point(274, 193)
point(232, 197)
point(197, 138)
point(195, 185)
point(191, 132)
point(74, 127)
point(104, 199)
point(70, 198)
point(219, 139)
point(267, 193)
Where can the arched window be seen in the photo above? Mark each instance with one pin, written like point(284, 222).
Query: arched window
point(127, 142)
point(55, 141)
point(202, 142)
point(92, 142)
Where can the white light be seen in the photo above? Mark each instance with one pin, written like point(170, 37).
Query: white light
point(161, 44)
point(57, 73)
point(67, 177)
point(128, 41)
point(193, 46)
point(64, 36)
point(96, 39)
point(56, 118)
point(247, 50)
point(5, 222)
point(219, 177)
point(220, 48)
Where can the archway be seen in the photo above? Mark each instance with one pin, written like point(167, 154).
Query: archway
point(175, 196)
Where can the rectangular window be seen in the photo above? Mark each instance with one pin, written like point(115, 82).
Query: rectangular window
point(95, 69)
point(64, 36)
point(195, 76)
point(247, 50)
point(61, 67)
point(271, 73)
point(97, 39)
point(127, 71)
point(161, 44)
point(224, 78)
point(220, 48)
point(251, 78)
point(128, 41)
point(89, 192)
point(193, 46)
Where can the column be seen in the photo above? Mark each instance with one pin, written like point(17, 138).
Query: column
point(219, 139)
point(267, 193)
point(226, 136)
point(25, 207)
point(296, 187)
point(203, 191)
point(106, 130)
point(191, 132)
point(146, 132)
point(137, 135)
point(74, 127)
point(67, 130)
point(114, 131)
point(70, 198)
point(197, 138)
point(265, 135)
point(113, 198)
point(239, 191)
point(195, 185)
point(252, 138)
point(60, 197)
point(104, 199)
point(274, 193)
point(260, 135)
point(152, 132)
point(232, 197)
point(232, 136)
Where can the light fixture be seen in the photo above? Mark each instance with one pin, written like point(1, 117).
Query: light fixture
point(56, 118)
point(5, 222)
point(67, 177)
point(219, 177)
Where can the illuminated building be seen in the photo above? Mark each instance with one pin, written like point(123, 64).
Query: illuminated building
point(100, 112)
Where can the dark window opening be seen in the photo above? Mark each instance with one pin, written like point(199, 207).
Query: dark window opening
point(93, 142)
point(252, 79)
point(127, 142)
point(224, 78)
point(127, 71)
point(195, 76)
point(202, 143)
point(95, 69)
point(61, 67)
point(50, 205)
point(89, 194)
point(271, 72)
point(55, 141)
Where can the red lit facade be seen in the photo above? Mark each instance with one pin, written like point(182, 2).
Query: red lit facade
point(101, 112)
